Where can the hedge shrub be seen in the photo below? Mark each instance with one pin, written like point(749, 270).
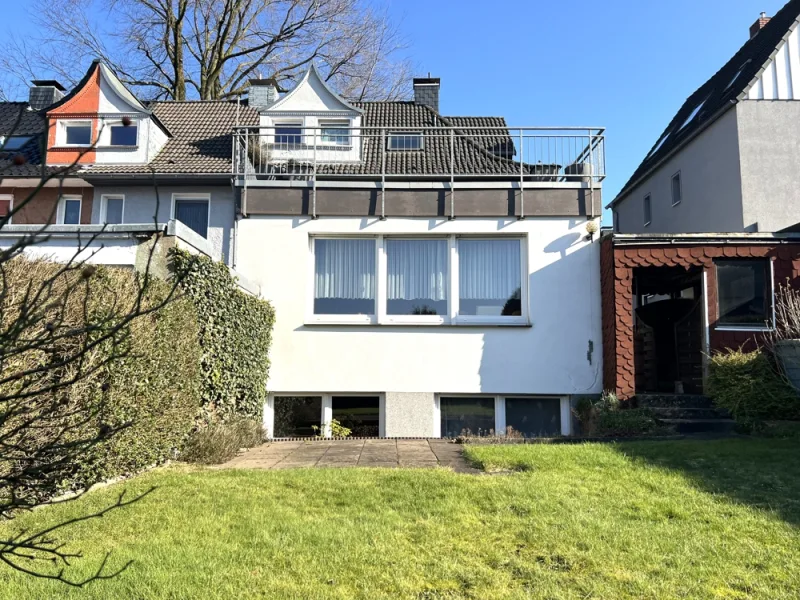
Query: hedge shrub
point(220, 442)
point(146, 377)
point(235, 335)
point(748, 386)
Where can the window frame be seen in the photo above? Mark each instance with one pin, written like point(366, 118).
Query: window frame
point(647, 209)
point(452, 318)
point(345, 124)
point(326, 412)
point(109, 125)
point(672, 188)
point(402, 133)
point(500, 410)
point(61, 209)
point(176, 197)
point(104, 198)
point(298, 123)
point(64, 124)
point(770, 292)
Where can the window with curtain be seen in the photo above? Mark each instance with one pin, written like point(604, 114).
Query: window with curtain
point(289, 135)
point(344, 276)
point(335, 132)
point(417, 277)
point(490, 279)
point(193, 213)
point(114, 210)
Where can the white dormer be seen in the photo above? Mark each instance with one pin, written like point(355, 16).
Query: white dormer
point(312, 122)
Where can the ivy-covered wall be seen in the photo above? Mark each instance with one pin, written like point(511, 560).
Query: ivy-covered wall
point(235, 333)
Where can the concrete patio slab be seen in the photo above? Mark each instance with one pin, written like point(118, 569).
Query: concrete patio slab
point(350, 453)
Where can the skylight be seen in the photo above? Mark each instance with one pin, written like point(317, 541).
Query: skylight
point(658, 145)
point(693, 114)
point(15, 142)
point(735, 77)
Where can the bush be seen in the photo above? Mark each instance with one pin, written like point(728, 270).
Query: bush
point(142, 384)
point(749, 387)
point(220, 442)
point(235, 335)
point(605, 417)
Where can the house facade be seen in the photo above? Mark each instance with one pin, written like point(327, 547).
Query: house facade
point(431, 275)
point(727, 161)
point(702, 238)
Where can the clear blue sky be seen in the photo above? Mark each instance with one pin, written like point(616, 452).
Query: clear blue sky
point(626, 65)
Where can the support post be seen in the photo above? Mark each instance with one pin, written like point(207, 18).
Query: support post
point(521, 177)
point(383, 174)
point(314, 180)
point(452, 174)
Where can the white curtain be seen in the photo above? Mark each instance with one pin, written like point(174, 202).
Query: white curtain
point(488, 269)
point(345, 269)
point(417, 269)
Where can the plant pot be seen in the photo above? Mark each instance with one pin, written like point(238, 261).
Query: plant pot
point(788, 353)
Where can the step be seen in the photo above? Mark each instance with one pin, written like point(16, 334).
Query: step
point(673, 401)
point(701, 425)
point(681, 412)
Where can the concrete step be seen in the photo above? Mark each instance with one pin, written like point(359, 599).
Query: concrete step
point(688, 426)
point(673, 401)
point(680, 412)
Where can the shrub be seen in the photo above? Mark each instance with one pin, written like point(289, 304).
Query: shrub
point(748, 386)
point(605, 417)
point(235, 335)
point(220, 442)
point(142, 384)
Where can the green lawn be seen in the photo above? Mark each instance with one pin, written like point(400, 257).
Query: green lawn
point(636, 520)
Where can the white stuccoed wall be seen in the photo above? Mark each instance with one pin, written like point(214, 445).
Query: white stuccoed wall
point(548, 358)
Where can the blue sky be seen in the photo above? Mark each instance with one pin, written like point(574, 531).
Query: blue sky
point(622, 64)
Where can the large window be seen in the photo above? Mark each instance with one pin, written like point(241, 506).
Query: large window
point(344, 277)
point(192, 212)
point(426, 281)
point(417, 276)
point(744, 292)
point(489, 278)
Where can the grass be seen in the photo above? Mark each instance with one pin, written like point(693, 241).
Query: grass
point(635, 520)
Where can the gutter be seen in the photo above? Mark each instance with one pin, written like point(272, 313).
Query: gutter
point(631, 186)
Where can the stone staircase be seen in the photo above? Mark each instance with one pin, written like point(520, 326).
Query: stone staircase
point(687, 413)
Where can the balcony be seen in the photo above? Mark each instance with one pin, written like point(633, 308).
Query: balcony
point(453, 157)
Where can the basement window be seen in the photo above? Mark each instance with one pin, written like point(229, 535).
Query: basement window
point(297, 416)
point(467, 416)
point(404, 141)
point(360, 414)
point(744, 292)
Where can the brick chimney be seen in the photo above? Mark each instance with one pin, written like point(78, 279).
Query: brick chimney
point(762, 20)
point(263, 93)
point(44, 93)
point(426, 91)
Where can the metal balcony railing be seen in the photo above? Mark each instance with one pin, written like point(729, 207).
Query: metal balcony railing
point(518, 154)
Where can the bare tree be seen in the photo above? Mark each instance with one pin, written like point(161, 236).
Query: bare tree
point(51, 336)
point(209, 49)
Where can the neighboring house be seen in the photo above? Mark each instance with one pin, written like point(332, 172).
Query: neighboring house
point(693, 265)
point(727, 162)
point(430, 274)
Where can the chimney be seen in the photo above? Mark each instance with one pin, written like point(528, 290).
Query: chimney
point(426, 91)
point(263, 93)
point(44, 93)
point(762, 20)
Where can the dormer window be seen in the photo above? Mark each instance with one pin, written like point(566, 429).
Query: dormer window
point(78, 133)
point(335, 133)
point(124, 135)
point(404, 141)
point(288, 134)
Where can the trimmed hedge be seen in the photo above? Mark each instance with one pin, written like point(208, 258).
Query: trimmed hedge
point(748, 386)
point(235, 332)
point(142, 384)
